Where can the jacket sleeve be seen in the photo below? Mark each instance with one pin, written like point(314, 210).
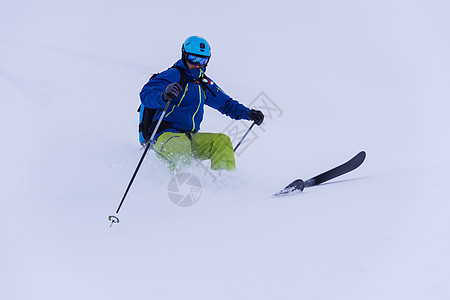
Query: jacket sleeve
point(151, 94)
point(217, 99)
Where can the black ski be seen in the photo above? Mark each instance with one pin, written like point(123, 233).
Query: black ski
point(299, 185)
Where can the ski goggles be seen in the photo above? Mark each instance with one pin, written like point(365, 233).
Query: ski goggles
point(197, 60)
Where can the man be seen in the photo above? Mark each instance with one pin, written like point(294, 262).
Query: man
point(178, 139)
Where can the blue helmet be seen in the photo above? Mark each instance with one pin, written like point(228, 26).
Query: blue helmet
point(195, 45)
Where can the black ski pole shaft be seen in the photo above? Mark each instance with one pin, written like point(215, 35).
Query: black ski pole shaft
point(133, 177)
point(245, 134)
point(149, 145)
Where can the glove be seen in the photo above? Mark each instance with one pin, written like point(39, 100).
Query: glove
point(257, 116)
point(172, 91)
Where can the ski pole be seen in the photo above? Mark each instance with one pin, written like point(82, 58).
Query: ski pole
point(115, 219)
point(245, 134)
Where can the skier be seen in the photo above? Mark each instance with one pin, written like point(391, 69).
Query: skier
point(178, 139)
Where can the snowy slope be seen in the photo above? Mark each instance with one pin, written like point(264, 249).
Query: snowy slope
point(344, 76)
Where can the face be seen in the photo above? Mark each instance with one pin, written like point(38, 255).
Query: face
point(191, 66)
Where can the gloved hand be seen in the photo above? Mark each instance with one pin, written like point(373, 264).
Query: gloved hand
point(172, 91)
point(257, 116)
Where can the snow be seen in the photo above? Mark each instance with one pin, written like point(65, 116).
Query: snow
point(345, 75)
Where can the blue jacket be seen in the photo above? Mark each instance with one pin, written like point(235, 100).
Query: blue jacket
point(185, 112)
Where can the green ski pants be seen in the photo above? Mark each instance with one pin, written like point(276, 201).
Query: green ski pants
point(178, 150)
